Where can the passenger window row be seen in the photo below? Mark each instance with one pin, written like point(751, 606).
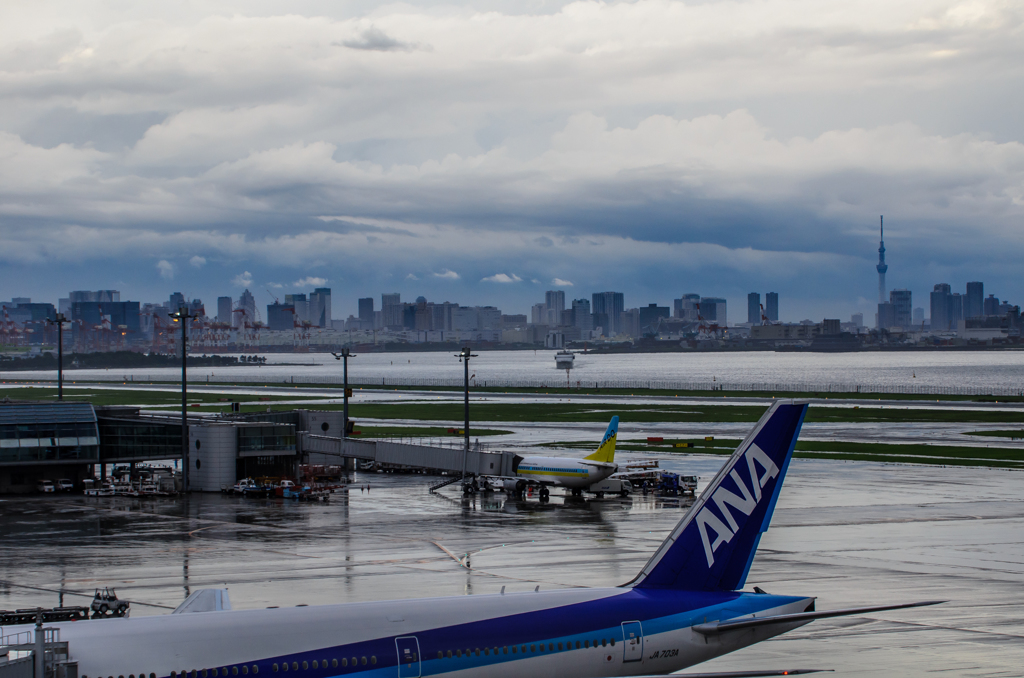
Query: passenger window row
point(195, 673)
point(244, 669)
point(527, 649)
point(345, 662)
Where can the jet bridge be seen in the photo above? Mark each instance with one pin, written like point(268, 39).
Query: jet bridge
point(328, 450)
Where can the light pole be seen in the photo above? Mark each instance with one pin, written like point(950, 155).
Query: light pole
point(343, 357)
point(59, 321)
point(183, 317)
point(464, 355)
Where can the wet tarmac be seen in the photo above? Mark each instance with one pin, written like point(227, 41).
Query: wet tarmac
point(851, 533)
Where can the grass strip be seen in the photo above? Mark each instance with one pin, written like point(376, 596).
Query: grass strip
point(554, 389)
point(682, 413)
point(830, 449)
point(515, 412)
point(113, 397)
point(421, 432)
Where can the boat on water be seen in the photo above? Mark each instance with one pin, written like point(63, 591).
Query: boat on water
point(564, 360)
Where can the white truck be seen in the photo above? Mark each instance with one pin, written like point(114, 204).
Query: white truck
point(612, 485)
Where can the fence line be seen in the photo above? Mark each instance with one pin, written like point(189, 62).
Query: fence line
point(618, 384)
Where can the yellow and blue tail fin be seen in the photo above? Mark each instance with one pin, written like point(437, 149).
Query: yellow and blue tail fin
point(606, 452)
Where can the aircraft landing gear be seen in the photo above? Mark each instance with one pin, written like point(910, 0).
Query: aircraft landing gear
point(577, 492)
point(545, 494)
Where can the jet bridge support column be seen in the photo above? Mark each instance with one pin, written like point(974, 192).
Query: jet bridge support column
point(39, 653)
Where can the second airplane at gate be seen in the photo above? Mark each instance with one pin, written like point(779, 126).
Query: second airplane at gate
point(576, 475)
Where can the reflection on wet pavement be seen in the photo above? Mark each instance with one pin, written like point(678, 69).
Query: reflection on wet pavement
point(851, 533)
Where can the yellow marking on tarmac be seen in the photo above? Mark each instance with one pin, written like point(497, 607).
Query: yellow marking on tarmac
point(453, 556)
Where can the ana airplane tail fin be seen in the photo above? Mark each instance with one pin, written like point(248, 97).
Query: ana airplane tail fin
point(606, 451)
point(713, 545)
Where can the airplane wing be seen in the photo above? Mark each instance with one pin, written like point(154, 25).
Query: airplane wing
point(205, 600)
point(602, 464)
point(716, 627)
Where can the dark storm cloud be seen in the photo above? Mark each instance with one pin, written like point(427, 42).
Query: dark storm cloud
point(653, 147)
point(376, 40)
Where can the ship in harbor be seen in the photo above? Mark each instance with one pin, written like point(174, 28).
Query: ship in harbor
point(564, 360)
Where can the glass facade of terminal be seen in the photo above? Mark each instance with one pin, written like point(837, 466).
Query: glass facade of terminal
point(138, 438)
point(48, 432)
point(271, 437)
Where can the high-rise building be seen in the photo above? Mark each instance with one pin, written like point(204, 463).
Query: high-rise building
point(771, 307)
point(301, 305)
point(685, 308)
point(881, 267)
point(991, 305)
point(555, 301)
point(974, 300)
point(280, 317)
point(101, 296)
point(366, 309)
point(392, 311)
point(754, 308)
point(630, 321)
point(858, 320)
point(956, 309)
point(464, 319)
point(110, 314)
point(538, 314)
point(319, 309)
point(607, 308)
point(224, 310)
point(940, 307)
point(918, 317)
point(886, 316)
point(581, 316)
point(713, 309)
point(246, 309)
point(444, 322)
point(648, 317)
point(176, 302)
point(488, 318)
point(903, 308)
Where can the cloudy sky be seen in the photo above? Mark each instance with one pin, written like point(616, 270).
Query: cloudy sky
point(484, 152)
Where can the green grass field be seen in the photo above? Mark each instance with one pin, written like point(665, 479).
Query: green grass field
point(100, 397)
point(588, 388)
point(558, 412)
point(513, 412)
point(421, 432)
point(910, 454)
point(569, 411)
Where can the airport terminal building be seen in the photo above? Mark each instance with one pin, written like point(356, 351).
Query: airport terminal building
point(67, 440)
point(46, 440)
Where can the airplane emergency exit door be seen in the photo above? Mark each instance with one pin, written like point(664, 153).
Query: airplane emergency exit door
point(408, 657)
point(632, 642)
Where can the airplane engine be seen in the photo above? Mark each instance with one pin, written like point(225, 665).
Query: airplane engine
point(515, 486)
